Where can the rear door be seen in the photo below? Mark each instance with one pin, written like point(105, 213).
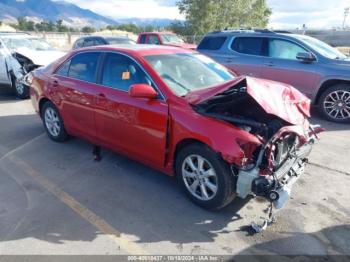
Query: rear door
point(246, 55)
point(283, 66)
point(73, 89)
point(135, 126)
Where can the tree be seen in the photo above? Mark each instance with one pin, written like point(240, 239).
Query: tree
point(88, 29)
point(208, 15)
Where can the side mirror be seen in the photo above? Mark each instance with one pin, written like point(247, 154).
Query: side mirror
point(142, 91)
point(306, 57)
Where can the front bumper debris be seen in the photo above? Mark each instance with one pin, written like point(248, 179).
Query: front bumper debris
point(275, 186)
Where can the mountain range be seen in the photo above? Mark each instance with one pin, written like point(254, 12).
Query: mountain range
point(71, 14)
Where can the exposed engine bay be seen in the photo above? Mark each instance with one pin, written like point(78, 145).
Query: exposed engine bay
point(278, 162)
point(25, 62)
point(239, 108)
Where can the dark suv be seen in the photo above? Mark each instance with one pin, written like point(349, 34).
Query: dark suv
point(315, 68)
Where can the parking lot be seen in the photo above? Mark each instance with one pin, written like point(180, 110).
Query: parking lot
point(54, 199)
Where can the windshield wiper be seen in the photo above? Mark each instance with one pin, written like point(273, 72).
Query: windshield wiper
point(166, 76)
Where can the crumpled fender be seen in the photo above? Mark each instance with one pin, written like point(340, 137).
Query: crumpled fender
point(12, 64)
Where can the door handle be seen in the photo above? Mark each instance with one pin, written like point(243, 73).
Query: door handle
point(55, 83)
point(101, 95)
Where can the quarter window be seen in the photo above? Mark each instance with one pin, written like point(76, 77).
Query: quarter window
point(120, 72)
point(63, 70)
point(212, 43)
point(248, 45)
point(279, 48)
point(143, 39)
point(83, 67)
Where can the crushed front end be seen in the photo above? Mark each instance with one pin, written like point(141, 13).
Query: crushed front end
point(278, 165)
point(275, 113)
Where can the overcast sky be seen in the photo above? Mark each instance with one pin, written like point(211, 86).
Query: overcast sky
point(286, 13)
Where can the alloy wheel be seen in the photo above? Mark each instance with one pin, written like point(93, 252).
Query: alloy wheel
point(19, 87)
point(199, 177)
point(52, 122)
point(337, 104)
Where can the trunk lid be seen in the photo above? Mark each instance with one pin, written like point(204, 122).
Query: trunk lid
point(276, 98)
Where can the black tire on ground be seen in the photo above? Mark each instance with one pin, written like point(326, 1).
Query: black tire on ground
point(21, 90)
point(226, 182)
point(340, 89)
point(59, 136)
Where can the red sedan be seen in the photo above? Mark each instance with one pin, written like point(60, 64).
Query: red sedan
point(182, 113)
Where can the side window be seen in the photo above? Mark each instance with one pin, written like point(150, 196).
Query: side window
point(143, 39)
point(78, 44)
point(89, 42)
point(120, 72)
point(63, 69)
point(248, 45)
point(212, 43)
point(153, 40)
point(99, 41)
point(279, 48)
point(83, 67)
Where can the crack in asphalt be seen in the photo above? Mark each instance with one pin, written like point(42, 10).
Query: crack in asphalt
point(329, 168)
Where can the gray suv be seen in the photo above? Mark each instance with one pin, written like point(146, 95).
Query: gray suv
point(315, 68)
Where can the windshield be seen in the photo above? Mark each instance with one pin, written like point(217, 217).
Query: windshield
point(171, 38)
point(30, 43)
point(322, 48)
point(190, 71)
point(118, 41)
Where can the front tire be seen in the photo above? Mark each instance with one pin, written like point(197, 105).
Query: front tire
point(205, 177)
point(53, 123)
point(334, 104)
point(21, 90)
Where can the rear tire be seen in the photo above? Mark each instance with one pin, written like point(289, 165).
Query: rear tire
point(334, 103)
point(206, 178)
point(53, 123)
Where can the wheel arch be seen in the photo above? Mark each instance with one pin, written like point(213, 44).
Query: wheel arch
point(42, 101)
point(182, 144)
point(327, 84)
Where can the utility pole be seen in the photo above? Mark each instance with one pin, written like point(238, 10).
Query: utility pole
point(346, 13)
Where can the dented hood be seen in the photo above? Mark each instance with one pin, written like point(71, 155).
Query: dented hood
point(41, 58)
point(275, 98)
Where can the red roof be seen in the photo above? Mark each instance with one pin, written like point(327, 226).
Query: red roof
point(141, 50)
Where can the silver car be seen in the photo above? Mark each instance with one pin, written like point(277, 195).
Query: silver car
point(20, 54)
point(315, 68)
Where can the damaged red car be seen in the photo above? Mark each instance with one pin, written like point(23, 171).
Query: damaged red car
point(182, 113)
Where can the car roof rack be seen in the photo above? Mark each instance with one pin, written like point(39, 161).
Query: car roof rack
point(246, 30)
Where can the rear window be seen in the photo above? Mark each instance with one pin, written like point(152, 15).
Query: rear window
point(83, 67)
point(212, 43)
point(143, 39)
point(248, 45)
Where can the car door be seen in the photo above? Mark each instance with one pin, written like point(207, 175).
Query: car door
point(73, 88)
point(283, 66)
point(135, 126)
point(246, 55)
point(4, 77)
